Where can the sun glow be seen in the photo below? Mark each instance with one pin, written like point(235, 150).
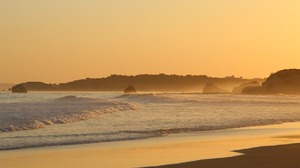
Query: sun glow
point(59, 41)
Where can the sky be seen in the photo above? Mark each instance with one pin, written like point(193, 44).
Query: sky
point(63, 40)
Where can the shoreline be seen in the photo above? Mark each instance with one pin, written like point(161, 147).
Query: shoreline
point(178, 148)
point(278, 156)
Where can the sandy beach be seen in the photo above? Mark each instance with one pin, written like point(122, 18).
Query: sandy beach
point(203, 149)
point(150, 84)
point(280, 156)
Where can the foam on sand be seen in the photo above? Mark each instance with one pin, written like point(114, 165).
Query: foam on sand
point(151, 152)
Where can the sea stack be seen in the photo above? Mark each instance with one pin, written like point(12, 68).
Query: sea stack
point(130, 90)
point(210, 88)
point(239, 89)
point(18, 89)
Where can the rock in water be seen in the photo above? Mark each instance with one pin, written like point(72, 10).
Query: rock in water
point(130, 90)
point(240, 88)
point(210, 88)
point(18, 89)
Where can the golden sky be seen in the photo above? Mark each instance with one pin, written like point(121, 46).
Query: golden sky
point(63, 40)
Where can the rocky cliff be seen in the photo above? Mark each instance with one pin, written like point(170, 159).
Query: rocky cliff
point(282, 82)
point(19, 89)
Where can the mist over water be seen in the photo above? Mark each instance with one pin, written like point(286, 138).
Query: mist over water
point(44, 119)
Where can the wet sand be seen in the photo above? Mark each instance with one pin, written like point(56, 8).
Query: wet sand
point(193, 150)
point(282, 156)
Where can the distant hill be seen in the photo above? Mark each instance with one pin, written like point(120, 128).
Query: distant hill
point(282, 82)
point(154, 83)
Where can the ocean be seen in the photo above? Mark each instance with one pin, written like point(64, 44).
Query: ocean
point(39, 119)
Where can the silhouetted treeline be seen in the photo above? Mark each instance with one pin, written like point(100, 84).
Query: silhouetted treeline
point(160, 82)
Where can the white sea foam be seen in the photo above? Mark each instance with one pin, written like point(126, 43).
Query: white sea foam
point(156, 115)
point(154, 98)
point(33, 115)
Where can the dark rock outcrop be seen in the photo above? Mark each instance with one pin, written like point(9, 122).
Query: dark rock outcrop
point(282, 82)
point(18, 89)
point(254, 90)
point(210, 88)
point(39, 86)
point(130, 90)
point(240, 88)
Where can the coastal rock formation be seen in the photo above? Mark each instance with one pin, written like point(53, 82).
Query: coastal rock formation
point(210, 88)
point(39, 86)
point(240, 88)
point(145, 83)
point(282, 82)
point(130, 90)
point(18, 89)
point(254, 90)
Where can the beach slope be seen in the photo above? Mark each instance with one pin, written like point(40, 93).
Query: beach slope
point(281, 156)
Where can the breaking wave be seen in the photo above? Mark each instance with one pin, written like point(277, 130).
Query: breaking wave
point(154, 98)
point(158, 115)
point(208, 99)
point(34, 141)
point(33, 115)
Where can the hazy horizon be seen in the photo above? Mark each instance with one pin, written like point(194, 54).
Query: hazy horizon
point(229, 76)
point(64, 81)
point(61, 41)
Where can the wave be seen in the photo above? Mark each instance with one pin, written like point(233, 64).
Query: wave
point(207, 112)
point(86, 138)
point(154, 98)
point(200, 99)
point(68, 109)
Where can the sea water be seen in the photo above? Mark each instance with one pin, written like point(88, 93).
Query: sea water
point(45, 118)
